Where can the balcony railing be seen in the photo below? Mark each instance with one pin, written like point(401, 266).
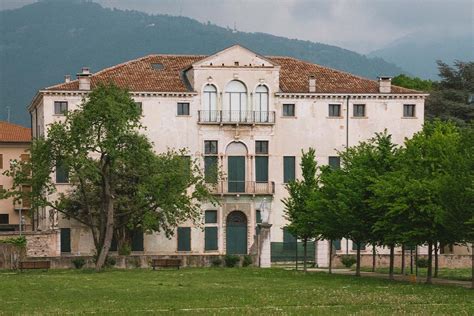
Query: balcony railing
point(236, 117)
point(243, 187)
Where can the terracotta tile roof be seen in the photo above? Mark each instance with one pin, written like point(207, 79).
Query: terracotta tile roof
point(12, 133)
point(139, 75)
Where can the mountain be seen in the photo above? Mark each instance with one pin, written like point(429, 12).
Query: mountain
point(419, 51)
point(42, 42)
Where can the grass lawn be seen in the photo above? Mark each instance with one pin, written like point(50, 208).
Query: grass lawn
point(234, 291)
point(462, 274)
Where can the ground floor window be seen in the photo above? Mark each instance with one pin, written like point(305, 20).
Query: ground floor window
point(210, 238)
point(184, 238)
point(65, 240)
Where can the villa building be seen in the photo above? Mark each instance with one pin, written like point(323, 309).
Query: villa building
point(248, 114)
point(15, 144)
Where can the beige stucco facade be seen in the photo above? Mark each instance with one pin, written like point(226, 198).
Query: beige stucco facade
point(311, 126)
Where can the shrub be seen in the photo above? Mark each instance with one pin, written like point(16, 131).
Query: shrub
point(110, 262)
point(125, 250)
point(348, 260)
point(135, 262)
point(16, 241)
point(78, 263)
point(216, 262)
point(422, 263)
point(247, 261)
point(231, 260)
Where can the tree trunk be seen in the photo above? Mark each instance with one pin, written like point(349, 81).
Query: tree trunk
point(109, 227)
point(305, 245)
point(358, 260)
point(330, 256)
point(416, 260)
point(411, 259)
point(436, 260)
point(403, 259)
point(429, 273)
point(374, 254)
point(392, 259)
point(472, 265)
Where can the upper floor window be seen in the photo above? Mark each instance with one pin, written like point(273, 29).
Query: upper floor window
point(235, 101)
point(209, 113)
point(210, 147)
point(210, 161)
point(183, 108)
point(261, 147)
point(139, 105)
point(359, 110)
point(1, 161)
point(62, 173)
point(60, 107)
point(288, 110)
point(334, 110)
point(408, 110)
point(334, 162)
point(4, 219)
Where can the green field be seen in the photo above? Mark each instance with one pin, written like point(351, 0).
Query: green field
point(461, 274)
point(233, 291)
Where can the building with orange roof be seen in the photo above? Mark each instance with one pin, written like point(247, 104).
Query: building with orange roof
point(249, 114)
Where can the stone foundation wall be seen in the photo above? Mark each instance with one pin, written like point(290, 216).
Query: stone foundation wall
point(383, 261)
point(38, 244)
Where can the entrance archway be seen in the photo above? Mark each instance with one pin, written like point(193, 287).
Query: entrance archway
point(236, 233)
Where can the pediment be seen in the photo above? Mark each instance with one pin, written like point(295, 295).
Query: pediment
point(235, 56)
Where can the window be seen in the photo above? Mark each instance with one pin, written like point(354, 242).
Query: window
point(258, 216)
point(354, 246)
point(235, 102)
point(210, 238)
point(334, 162)
point(65, 240)
point(288, 169)
point(139, 105)
point(408, 110)
point(261, 147)
point(62, 173)
point(261, 104)
point(184, 238)
point(334, 110)
point(1, 161)
point(60, 107)
point(210, 104)
point(288, 110)
point(210, 147)
point(359, 110)
point(261, 161)
point(183, 108)
point(210, 217)
point(4, 219)
point(25, 200)
point(336, 244)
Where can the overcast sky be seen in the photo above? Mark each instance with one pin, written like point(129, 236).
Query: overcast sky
point(360, 25)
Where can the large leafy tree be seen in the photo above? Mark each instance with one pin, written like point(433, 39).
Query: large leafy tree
point(116, 179)
point(300, 216)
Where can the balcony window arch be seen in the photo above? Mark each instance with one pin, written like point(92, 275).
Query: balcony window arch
point(261, 104)
point(210, 103)
point(235, 102)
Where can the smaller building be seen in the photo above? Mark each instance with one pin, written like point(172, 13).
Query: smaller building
point(15, 142)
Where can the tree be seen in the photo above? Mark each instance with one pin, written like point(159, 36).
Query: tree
point(116, 178)
point(300, 217)
point(414, 83)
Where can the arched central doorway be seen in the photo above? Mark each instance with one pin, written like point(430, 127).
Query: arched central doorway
point(236, 233)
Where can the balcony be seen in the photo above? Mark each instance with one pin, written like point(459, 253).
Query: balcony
point(236, 117)
point(243, 188)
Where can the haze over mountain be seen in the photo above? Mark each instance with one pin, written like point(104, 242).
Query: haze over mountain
point(42, 42)
point(419, 51)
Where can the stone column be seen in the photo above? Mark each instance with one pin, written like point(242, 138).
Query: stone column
point(322, 255)
point(264, 245)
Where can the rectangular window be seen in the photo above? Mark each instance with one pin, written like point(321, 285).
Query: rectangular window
point(65, 240)
point(210, 238)
point(261, 147)
point(210, 169)
point(1, 161)
point(4, 219)
point(408, 110)
point(288, 110)
point(210, 217)
point(334, 110)
point(183, 108)
point(184, 238)
point(62, 173)
point(210, 147)
point(359, 110)
point(336, 244)
point(25, 200)
point(258, 216)
point(139, 106)
point(261, 168)
point(354, 246)
point(288, 169)
point(335, 162)
point(60, 107)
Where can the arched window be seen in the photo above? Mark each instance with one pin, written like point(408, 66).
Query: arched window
point(235, 102)
point(210, 103)
point(261, 104)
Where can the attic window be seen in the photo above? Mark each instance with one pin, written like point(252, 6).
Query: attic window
point(157, 66)
point(236, 63)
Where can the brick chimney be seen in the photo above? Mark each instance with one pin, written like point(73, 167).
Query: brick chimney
point(67, 78)
point(312, 84)
point(84, 79)
point(385, 84)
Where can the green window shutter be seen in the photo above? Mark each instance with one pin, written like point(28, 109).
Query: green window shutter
point(137, 240)
point(210, 238)
point(337, 244)
point(210, 169)
point(354, 246)
point(259, 216)
point(65, 240)
point(210, 217)
point(288, 169)
point(184, 238)
point(261, 168)
point(62, 173)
